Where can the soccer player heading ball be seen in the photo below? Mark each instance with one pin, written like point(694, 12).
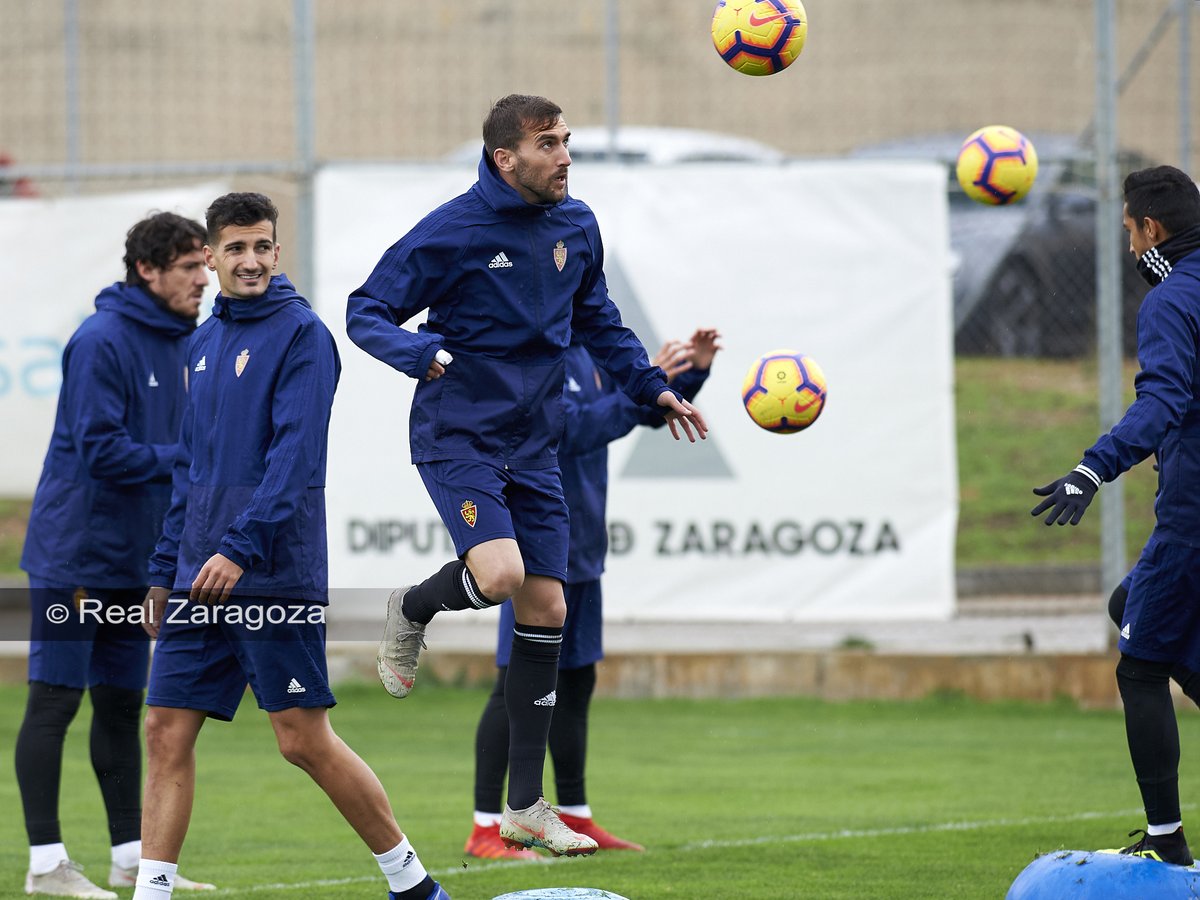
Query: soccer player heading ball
point(509, 272)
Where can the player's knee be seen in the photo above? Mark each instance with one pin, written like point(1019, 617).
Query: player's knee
point(501, 582)
point(297, 749)
point(166, 741)
point(1133, 673)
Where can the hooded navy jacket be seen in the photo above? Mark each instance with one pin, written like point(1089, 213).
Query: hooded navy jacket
point(598, 414)
point(506, 284)
point(1164, 419)
point(250, 482)
point(106, 480)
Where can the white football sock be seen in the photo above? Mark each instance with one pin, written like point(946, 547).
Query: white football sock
point(127, 855)
point(583, 811)
point(400, 865)
point(45, 857)
point(155, 880)
point(1163, 829)
point(487, 819)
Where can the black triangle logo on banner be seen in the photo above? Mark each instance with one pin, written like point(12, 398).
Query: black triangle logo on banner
point(651, 456)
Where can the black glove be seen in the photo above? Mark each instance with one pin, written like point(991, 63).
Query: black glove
point(1067, 497)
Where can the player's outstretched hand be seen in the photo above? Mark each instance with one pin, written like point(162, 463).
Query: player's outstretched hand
point(705, 343)
point(215, 580)
point(1068, 497)
point(674, 358)
point(155, 606)
point(680, 412)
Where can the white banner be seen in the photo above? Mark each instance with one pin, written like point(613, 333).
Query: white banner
point(846, 261)
point(57, 256)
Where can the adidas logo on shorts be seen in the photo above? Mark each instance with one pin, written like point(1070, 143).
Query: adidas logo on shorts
point(295, 687)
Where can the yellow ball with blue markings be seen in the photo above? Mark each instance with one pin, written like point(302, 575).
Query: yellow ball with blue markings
point(759, 37)
point(784, 391)
point(996, 165)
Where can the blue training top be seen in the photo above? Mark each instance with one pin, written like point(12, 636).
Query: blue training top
point(1164, 419)
point(106, 481)
point(250, 483)
point(506, 284)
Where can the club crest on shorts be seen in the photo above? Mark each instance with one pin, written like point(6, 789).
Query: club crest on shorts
point(469, 512)
point(239, 364)
point(560, 255)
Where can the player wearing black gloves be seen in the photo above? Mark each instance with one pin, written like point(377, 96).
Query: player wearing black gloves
point(1068, 497)
point(1160, 623)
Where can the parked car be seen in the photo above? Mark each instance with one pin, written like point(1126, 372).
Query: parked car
point(651, 144)
point(1025, 275)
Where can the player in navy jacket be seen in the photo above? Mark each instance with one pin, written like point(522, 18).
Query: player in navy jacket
point(239, 577)
point(1157, 603)
point(508, 272)
point(99, 505)
point(596, 414)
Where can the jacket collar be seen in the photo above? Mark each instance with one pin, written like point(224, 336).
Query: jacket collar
point(280, 292)
point(137, 303)
point(500, 195)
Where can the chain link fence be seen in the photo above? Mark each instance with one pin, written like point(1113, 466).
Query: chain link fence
point(100, 95)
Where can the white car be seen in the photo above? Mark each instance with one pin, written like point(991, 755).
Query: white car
point(650, 144)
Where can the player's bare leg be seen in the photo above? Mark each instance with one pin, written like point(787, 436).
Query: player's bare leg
point(167, 805)
point(307, 740)
point(170, 780)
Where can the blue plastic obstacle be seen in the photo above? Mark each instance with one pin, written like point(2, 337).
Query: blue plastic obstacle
point(1088, 875)
point(561, 894)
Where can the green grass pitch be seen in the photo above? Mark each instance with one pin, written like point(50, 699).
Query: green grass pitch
point(771, 798)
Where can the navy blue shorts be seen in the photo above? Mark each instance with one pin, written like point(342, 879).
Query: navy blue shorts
point(583, 630)
point(76, 641)
point(479, 502)
point(205, 657)
point(1162, 614)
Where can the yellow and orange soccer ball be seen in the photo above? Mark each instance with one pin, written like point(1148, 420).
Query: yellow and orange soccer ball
point(759, 37)
point(784, 391)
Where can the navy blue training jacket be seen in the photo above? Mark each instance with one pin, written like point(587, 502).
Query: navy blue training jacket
point(106, 481)
point(1164, 419)
point(598, 414)
point(506, 284)
point(250, 483)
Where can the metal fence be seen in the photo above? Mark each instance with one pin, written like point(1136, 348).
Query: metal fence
point(100, 94)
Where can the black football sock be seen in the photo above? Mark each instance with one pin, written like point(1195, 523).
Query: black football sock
point(529, 697)
point(1153, 735)
point(491, 750)
point(568, 733)
point(117, 758)
point(48, 712)
point(451, 587)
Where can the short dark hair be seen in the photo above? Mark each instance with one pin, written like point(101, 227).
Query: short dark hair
point(239, 209)
point(1165, 194)
point(159, 239)
point(511, 117)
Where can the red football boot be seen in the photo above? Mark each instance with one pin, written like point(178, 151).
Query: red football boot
point(603, 839)
point(485, 843)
